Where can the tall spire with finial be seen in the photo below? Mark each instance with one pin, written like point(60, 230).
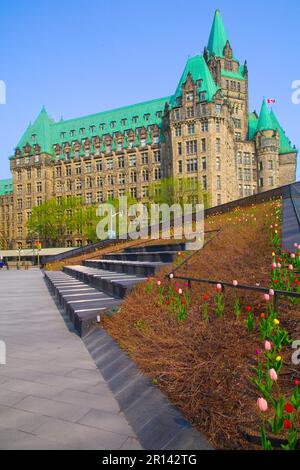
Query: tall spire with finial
point(218, 36)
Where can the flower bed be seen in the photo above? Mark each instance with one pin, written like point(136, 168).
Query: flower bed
point(206, 349)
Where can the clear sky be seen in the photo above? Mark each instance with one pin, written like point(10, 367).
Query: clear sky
point(79, 57)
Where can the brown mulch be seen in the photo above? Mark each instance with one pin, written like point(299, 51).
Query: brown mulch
point(205, 367)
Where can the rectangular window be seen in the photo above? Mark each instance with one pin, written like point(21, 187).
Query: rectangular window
point(218, 145)
point(179, 148)
point(178, 131)
point(192, 165)
point(109, 163)
point(218, 163)
point(132, 161)
point(180, 166)
point(157, 156)
point(204, 183)
point(191, 129)
point(145, 158)
point(190, 112)
point(203, 145)
point(218, 183)
point(191, 147)
point(204, 126)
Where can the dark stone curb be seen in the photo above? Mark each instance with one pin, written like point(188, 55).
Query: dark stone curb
point(156, 422)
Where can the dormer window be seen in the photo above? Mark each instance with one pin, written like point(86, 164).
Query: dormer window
point(92, 128)
point(119, 145)
point(135, 119)
point(33, 137)
point(159, 114)
point(199, 83)
point(228, 65)
point(72, 133)
point(62, 135)
point(123, 122)
point(102, 125)
point(190, 96)
point(81, 130)
point(202, 96)
point(147, 117)
point(113, 124)
point(179, 101)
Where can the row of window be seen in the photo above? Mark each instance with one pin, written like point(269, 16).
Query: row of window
point(192, 146)
point(190, 128)
point(190, 111)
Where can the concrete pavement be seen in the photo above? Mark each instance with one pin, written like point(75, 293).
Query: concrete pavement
point(52, 396)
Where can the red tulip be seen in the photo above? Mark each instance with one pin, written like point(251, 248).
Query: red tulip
point(249, 309)
point(206, 298)
point(287, 424)
point(183, 301)
point(296, 383)
point(289, 408)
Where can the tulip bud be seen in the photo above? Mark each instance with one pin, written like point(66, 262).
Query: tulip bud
point(262, 405)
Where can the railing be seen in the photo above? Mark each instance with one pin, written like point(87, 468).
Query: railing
point(263, 290)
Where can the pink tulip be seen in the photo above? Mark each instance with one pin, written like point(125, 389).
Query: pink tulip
point(179, 291)
point(235, 283)
point(291, 267)
point(271, 292)
point(267, 297)
point(159, 283)
point(279, 266)
point(219, 287)
point(267, 345)
point(274, 265)
point(262, 405)
point(273, 375)
point(296, 245)
point(258, 352)
point(293, 256)
point(171, 276)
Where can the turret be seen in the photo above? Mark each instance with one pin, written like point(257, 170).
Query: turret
point(267, 146)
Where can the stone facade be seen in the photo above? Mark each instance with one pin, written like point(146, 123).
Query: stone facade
point(203, 133)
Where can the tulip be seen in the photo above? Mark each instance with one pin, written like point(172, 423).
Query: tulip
point(293, 256)
point(183, 302)
point(274, 266)
point(296, 383)
point(249, 309)
point(179, 291)
point(279, 266)
point(262, 315)
point(287, 424)
point(278, 359)
point(273, 375)
point(289, 408)
point(219, 288)
point(267, 297)
point(276, 322)
point(296, 245)
point(159, 283)
point(262, 405)
point(271, 293)
point(258, 352)
point(235, 283)
point(291, 267)
point(268, 345)
point(171, 276)
point(206, 298)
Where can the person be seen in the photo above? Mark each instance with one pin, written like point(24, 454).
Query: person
point(1, 264)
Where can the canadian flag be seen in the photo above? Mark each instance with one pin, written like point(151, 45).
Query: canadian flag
point(271, 101)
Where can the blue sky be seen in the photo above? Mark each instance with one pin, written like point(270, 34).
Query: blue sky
point(79, 57)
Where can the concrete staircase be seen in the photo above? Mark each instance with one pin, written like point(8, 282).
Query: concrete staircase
point(99, 286)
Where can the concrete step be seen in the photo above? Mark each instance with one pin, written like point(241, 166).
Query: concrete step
point(81, 302)
point(112, 283)
point(137, 268)
point(152, 257)
point(156, 248)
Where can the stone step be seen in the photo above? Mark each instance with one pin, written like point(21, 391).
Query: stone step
point(81, 302)
point(156, 248)
point(152, 257)
point(112, 283)
point(138, 268)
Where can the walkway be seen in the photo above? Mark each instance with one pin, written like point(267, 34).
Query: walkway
point(52, 396)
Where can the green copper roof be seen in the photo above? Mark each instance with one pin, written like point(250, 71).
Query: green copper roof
point(6, 187)
point(48, 133)
point(218, 36)
point(198, 69)
point(285, 143)
point(253, 121)
point(240, 75)
point(265, 122)
point(39, 132)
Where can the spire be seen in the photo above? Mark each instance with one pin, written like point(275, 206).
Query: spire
point(265, 122)
point(218, 36)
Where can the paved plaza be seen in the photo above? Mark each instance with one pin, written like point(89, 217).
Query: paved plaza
point(52, 396)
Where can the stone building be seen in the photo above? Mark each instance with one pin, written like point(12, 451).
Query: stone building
point(203, 132)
